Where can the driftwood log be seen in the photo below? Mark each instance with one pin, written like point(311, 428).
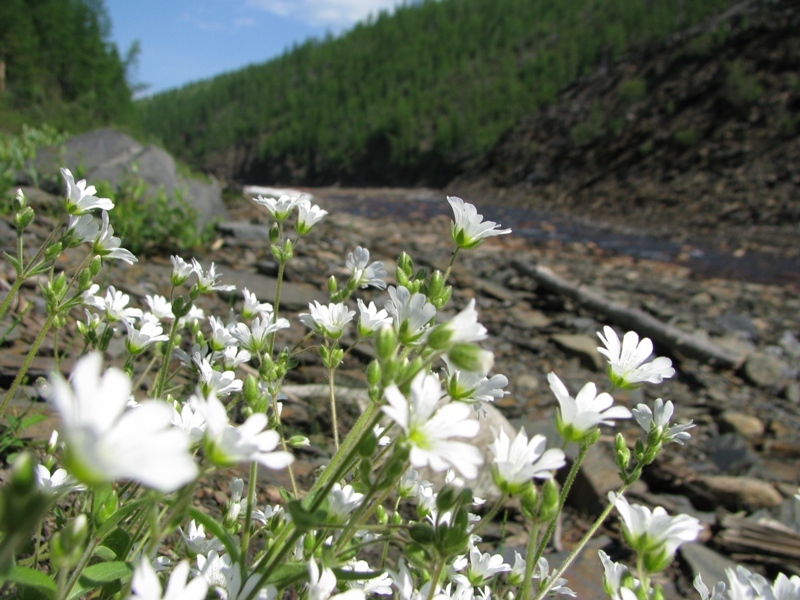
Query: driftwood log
point(645, 324)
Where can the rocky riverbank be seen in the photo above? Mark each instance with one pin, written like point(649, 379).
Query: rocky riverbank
point(737, 474)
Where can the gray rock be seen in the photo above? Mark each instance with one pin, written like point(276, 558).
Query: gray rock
point(737, 493)
point(107, 155)
point(764, 370)
point(749, 427)
point(245, 231)
point(707, 563)
point(294, 296)
point(582, 346)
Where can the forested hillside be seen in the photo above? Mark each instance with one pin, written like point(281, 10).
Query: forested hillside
point(407, 98)
point(59, 67)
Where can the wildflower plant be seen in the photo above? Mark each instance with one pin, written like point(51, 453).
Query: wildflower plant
point(131, 454)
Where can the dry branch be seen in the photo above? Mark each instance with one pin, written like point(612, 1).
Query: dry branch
point(643, 323)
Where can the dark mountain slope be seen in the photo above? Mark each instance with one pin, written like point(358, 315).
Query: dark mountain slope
point(690, 134)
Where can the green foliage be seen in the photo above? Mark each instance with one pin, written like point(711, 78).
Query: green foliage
point(686, 137)
point(632, 91)
point(405, 97)
point(61, 66)
point(17, 153)
point(154, 223)
point(588, 129)
point(742, 88)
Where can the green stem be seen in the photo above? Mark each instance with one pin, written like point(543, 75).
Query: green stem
point(277, 304)
point(332, 396)
point(563, 498)
point(10, 296)
point(530, 561)
point(76, 573)
point(284, 445)
point(437, 573)
point(161, 377)
point(487, 518)
point(248, 512)
point(26, 365)
point(584, 540)
point(450, 266)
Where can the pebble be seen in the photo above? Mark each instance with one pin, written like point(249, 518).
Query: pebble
point(741, 493)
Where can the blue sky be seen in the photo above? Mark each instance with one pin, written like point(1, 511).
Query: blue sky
point(188, 40)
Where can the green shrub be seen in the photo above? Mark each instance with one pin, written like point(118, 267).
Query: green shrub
point(18, 151)
point(154, 223)
point(686, 137)
point(632, 91)
point(742, 88)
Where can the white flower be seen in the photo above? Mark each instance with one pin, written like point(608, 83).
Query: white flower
point(213, 568)
point(516, 463)
point(625, 368)
point(192, 422)
point(461, 329)
point(654, 534)
point(160, 306)
point(322, 583)
point(232, 357)
point(469, 386)
point(181, 270)
point(80, 198)
point(255, 337)
point(659, 419)
point(542, 574)
point(517, 574)
point(108, 246)
point(227, 445)
point(341, 502)
point(106, 441)
point(717, 593)
point(484, 566)
point(253, 308)
point(221, 336)
point(468, 229)
point(281, 208)
point(381, 585)
point(411, 314)
point(308, 215)
point(207, 280)
point(579, 416)
point(84, 228)
point(216, 382)
point(146, 586)
point(139, 339)
point(60, 482)
point(115, 304)
point(197, 542)
point(328, 321)
point(371, 318)
point(365, 274)
point(428, 430)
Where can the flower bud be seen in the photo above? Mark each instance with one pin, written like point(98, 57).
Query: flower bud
point(385, 342)
point(550, 500)
point(529, 500)
point(250, 390)
point(447, 497)
point(469, 357)
point(374, 373)
point(421, 533)
point(67, 546)
point(622, 456)
point(274, 233)
point(332, 284)
point(20, 199)
point(299, 441)
point(107, 507)
point(23, 218)
point(95, 265)
point(381, 516)
point(53, 251)
point(435, 285)
point(405, 264)
point(84, 280)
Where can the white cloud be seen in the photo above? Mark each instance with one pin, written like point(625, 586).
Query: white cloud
point(325, 12)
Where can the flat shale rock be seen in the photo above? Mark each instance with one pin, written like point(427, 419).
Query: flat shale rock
point(737, 493)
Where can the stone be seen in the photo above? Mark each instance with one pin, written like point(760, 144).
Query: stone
point(707, 563)
point(242, 230)
point(737, 493)
point(749, 427)
point(295, 296)
point(582, 346)
point(792, 392)
point(764, 370)
point(527, 318)
point(107, 155)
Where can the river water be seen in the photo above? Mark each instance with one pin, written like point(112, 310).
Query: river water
point(704, 259)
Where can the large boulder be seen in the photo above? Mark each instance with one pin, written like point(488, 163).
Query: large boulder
point(107, 155)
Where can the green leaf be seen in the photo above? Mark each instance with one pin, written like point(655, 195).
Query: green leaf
point(350, 575)
point(304, 519)
point(216, 529)
point(287, 573)
point(31, 578)
point(100, 575)
point(14, 262)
